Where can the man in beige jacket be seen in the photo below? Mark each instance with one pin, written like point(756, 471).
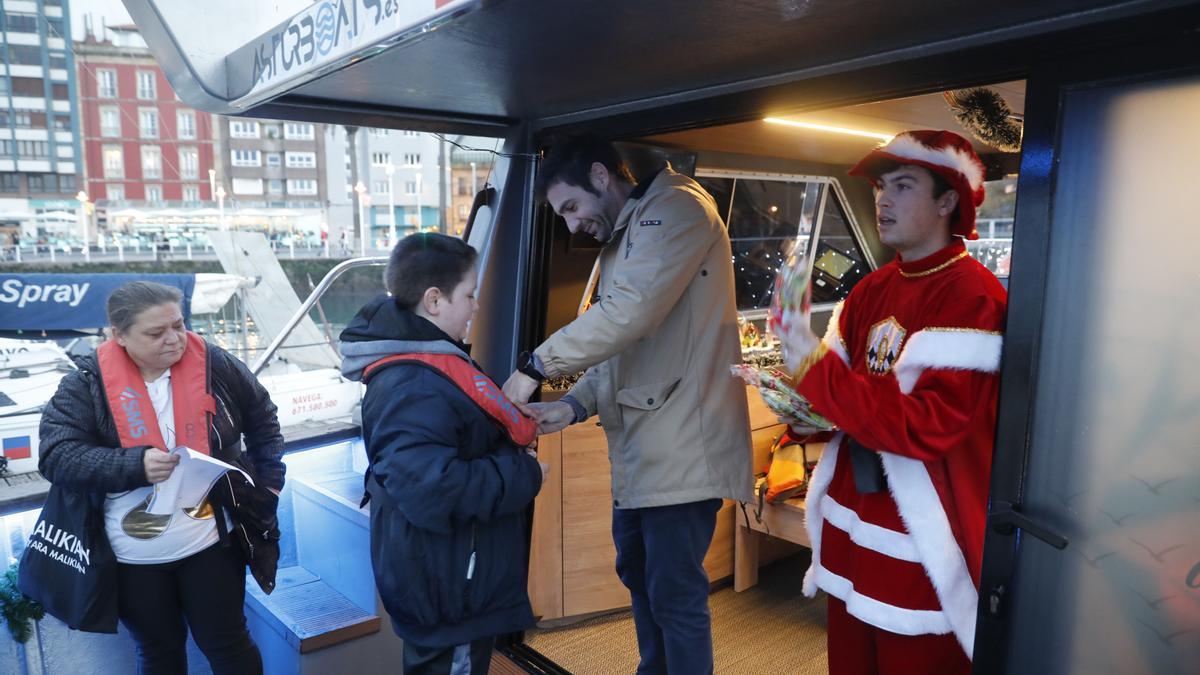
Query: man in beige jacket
point(656, 346)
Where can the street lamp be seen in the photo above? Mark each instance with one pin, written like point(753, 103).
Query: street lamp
point(417, 169)
point(221, 206)
point(391, 204)
point(362, 218)
point(212, 181)
point(83, 220)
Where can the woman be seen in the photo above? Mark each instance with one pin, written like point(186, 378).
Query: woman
point(154, 387)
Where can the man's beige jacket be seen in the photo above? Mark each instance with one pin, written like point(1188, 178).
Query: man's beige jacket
point(657, 346)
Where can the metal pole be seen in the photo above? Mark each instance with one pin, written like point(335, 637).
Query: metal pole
point(362, 228)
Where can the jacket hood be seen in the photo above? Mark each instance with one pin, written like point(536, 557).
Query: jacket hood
point(382, 328)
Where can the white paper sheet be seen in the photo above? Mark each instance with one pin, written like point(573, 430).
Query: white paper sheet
point(189, 483)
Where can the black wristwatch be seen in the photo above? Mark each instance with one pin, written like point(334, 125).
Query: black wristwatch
point(525, 365)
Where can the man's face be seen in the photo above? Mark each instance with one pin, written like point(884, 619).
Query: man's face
point(584, 210)
point(908, 215)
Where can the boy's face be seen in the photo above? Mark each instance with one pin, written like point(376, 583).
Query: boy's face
point(454, 312)
point(908, 216)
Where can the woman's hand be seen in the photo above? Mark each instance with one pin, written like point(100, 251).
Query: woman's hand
point(158, 464)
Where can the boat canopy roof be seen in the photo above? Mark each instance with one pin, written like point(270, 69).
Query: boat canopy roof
point(484, 66)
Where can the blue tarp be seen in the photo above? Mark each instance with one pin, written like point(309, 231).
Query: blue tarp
point(54, 303)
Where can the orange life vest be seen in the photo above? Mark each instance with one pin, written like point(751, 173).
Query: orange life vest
point(477, 386)
point(129, 400)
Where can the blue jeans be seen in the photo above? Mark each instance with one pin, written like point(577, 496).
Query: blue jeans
point(660, 559)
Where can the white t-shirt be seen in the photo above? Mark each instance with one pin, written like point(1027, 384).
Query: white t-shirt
point(140, 538)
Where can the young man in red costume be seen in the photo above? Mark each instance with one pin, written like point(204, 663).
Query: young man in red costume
point(908, 370)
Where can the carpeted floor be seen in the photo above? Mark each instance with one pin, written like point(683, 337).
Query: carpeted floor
point(770, 628)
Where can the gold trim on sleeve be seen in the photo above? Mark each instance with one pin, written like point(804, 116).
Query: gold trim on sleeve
point(808, 362)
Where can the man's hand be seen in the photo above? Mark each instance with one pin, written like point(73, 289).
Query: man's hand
point(520, 387)
point(797, 343)
point(551, 417)
point(158, 464)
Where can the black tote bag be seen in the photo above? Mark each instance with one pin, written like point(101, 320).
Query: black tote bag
point(69, 566)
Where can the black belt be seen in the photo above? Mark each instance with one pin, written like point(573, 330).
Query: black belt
point(867, 467)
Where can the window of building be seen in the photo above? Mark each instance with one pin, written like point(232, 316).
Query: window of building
point(66, 183)
point(5, 87)
point(58, 60)
point(151, 161)
point(380, 187)
point(42, 182)
point(114, 161)
point(274, 159)
point(189, 163)
point(59, 92)
point(25, 55)
point(110, 122)
point(106, 83)
point(412, 159)
point(301, 186)
point(191, 193)
point(62, 123)
point(185, 121)
point(54, 27)
point(22, 119)
point(7, 149)
point(154, 193)
point(462, 188)
point(243, 129)
point(28, 86)
point(114, 192)
point(20, 23)
point(272, 131)
point(246, 157)
point(148, 123)
point(147, 88)
point(247, 186)
point(10, 182)
point(410, 187)
point(275, 186)
point(301, 160)
point(408, 132)
point(33, 149)
point(381, 133)
point(298, 131)
point(381, 158)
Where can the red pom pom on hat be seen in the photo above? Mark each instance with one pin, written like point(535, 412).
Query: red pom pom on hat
point(943, 152)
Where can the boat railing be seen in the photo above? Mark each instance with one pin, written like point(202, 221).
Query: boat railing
point(310, 302)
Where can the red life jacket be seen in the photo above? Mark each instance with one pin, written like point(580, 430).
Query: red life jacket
point(477, 386)
point(130, 404)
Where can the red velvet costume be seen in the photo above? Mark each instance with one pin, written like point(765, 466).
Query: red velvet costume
point(911, 371)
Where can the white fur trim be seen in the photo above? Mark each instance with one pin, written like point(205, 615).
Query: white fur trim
point(898, 545)
point(921, 510)
point(814, 519)
point(947, 348)
point(891, 618)
point(833, 334)
point(907, 147)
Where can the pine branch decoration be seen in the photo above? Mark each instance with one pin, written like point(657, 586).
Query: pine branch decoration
point(987, 116)
point(18, 609)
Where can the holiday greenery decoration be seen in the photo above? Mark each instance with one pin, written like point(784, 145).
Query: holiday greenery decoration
point(987, 116)
point(18, 609)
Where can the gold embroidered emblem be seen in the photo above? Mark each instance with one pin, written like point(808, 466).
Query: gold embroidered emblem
point(884, 341)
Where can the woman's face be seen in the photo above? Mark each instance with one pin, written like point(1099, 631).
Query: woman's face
point(157, 337)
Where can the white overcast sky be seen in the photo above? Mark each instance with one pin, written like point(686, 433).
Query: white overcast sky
point(111, 12)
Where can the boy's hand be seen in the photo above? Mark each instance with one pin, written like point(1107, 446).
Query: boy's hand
point(551, 417)
point(519, 387)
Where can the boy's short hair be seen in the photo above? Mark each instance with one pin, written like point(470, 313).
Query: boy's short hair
point(423, 261)
point(570, 162)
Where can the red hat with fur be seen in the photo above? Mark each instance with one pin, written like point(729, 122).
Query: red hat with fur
point(944, 153)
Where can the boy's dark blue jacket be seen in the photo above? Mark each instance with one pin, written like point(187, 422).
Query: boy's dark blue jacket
point(448, 490)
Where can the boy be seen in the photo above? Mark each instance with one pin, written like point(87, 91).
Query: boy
point(449, 477)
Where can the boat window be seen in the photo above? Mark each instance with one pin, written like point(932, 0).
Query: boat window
point(995, 226)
